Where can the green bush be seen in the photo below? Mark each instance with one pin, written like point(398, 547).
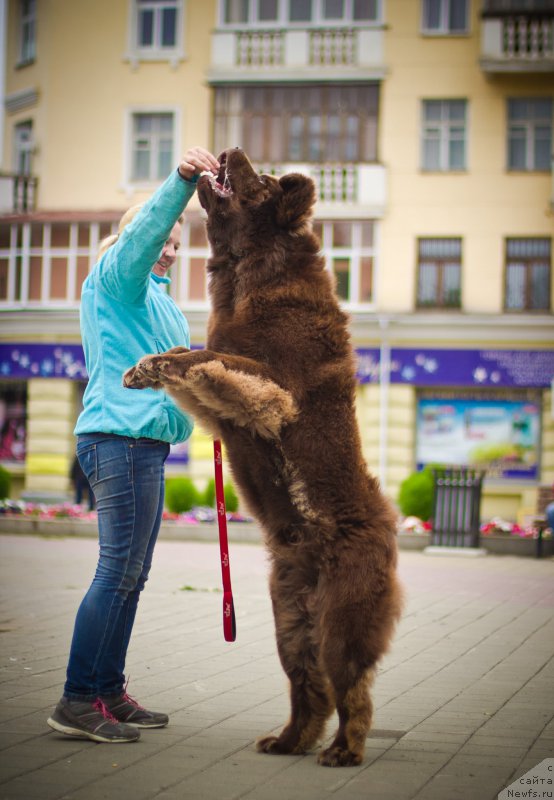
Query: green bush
point(5, 483)
point(415, 497)
point(209, 494)
point(180, 495)
point(231, 498)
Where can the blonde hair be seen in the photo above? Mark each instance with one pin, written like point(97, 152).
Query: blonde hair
point(125, 220)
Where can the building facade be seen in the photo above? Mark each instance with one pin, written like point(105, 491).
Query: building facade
point(427, 128)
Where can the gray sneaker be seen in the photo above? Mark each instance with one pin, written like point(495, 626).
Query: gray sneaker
point(90, 720)
point(126, 709)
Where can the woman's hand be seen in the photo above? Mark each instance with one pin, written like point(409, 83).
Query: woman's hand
point(197, 160)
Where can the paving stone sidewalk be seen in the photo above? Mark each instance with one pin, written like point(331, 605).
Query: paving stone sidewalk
point(464, 701)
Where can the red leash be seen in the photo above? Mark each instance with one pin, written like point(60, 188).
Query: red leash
point(229, 622)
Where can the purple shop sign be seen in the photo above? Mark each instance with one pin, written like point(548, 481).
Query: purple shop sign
point(486, 368)
point(420, 367)
point(42, 361)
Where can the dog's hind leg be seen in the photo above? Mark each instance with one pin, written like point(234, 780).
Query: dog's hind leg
point(355, 711)
point(310, 695)
point(356, 623)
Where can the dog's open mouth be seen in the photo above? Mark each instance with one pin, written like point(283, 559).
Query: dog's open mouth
point(220, 183)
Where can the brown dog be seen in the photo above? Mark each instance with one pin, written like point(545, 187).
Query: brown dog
point(277, 385)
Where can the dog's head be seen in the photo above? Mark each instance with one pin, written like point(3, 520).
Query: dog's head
point(243, 206)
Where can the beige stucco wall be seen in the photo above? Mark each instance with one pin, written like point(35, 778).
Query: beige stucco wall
point(84, 93)
point(482, 205)
point(50, 440)
point(395, 462)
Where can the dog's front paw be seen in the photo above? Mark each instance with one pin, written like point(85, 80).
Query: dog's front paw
point(144, 375)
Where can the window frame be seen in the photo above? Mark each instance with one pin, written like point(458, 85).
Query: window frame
point(445, 125)
point(23, 148)
point(529, 124)
point(130, 184)
point(353, 253)
point(444, 27)
point(27, 23)
point(441, 263)
point(317, 20)
point(528, 262)
point(238, 116)
point(156, 52)
point(14, 394)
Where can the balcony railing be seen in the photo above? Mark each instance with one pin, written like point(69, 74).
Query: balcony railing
point(17, 193)
point(296, 53)
point(260, 48)
point(527, 38)
point(518, 43)
point(332, 47)
point(349, 185)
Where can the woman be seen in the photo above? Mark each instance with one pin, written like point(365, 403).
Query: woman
point(123, 439)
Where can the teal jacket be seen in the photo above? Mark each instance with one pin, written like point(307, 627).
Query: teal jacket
point(126, 314)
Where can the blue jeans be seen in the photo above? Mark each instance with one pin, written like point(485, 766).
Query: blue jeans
point(127, 477)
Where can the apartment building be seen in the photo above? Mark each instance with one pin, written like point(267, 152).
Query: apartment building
point(427, 128)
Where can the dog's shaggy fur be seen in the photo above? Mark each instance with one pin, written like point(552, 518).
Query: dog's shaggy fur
point(277, 385)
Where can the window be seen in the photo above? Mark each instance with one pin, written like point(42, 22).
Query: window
point(528, 274)
point(439, 273)
point(188, 276)
point(157, 27)
point(283, 124)
point(497, 431)
point(27, 22)
point(349, 251)
point(13, 421)
point(23, 147)
point(445, 17)
point(530, 134)
point(152, 146)
point(444, 135)
point(316, 12)
point(343, 11)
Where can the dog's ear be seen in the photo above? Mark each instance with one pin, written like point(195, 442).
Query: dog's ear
point(298, 198)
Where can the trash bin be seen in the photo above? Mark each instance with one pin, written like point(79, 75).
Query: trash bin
point(457, 506)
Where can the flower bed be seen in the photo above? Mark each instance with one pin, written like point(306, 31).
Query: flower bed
point(67, 519)
point(71, 511)
point(496, 536)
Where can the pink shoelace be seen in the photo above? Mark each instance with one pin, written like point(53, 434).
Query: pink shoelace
point(100, 706)
point(128, 699)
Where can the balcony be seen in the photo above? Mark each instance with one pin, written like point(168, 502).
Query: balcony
point(342, 190)
point(517, 43)
point(299, 54)
point(17, 193)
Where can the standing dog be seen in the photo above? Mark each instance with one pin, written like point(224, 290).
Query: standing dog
point(277, 385)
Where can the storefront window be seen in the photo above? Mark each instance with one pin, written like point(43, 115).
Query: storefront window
point(13, 421)
point(496, 432)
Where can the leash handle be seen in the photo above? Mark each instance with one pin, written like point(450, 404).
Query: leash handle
point(229, 621)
